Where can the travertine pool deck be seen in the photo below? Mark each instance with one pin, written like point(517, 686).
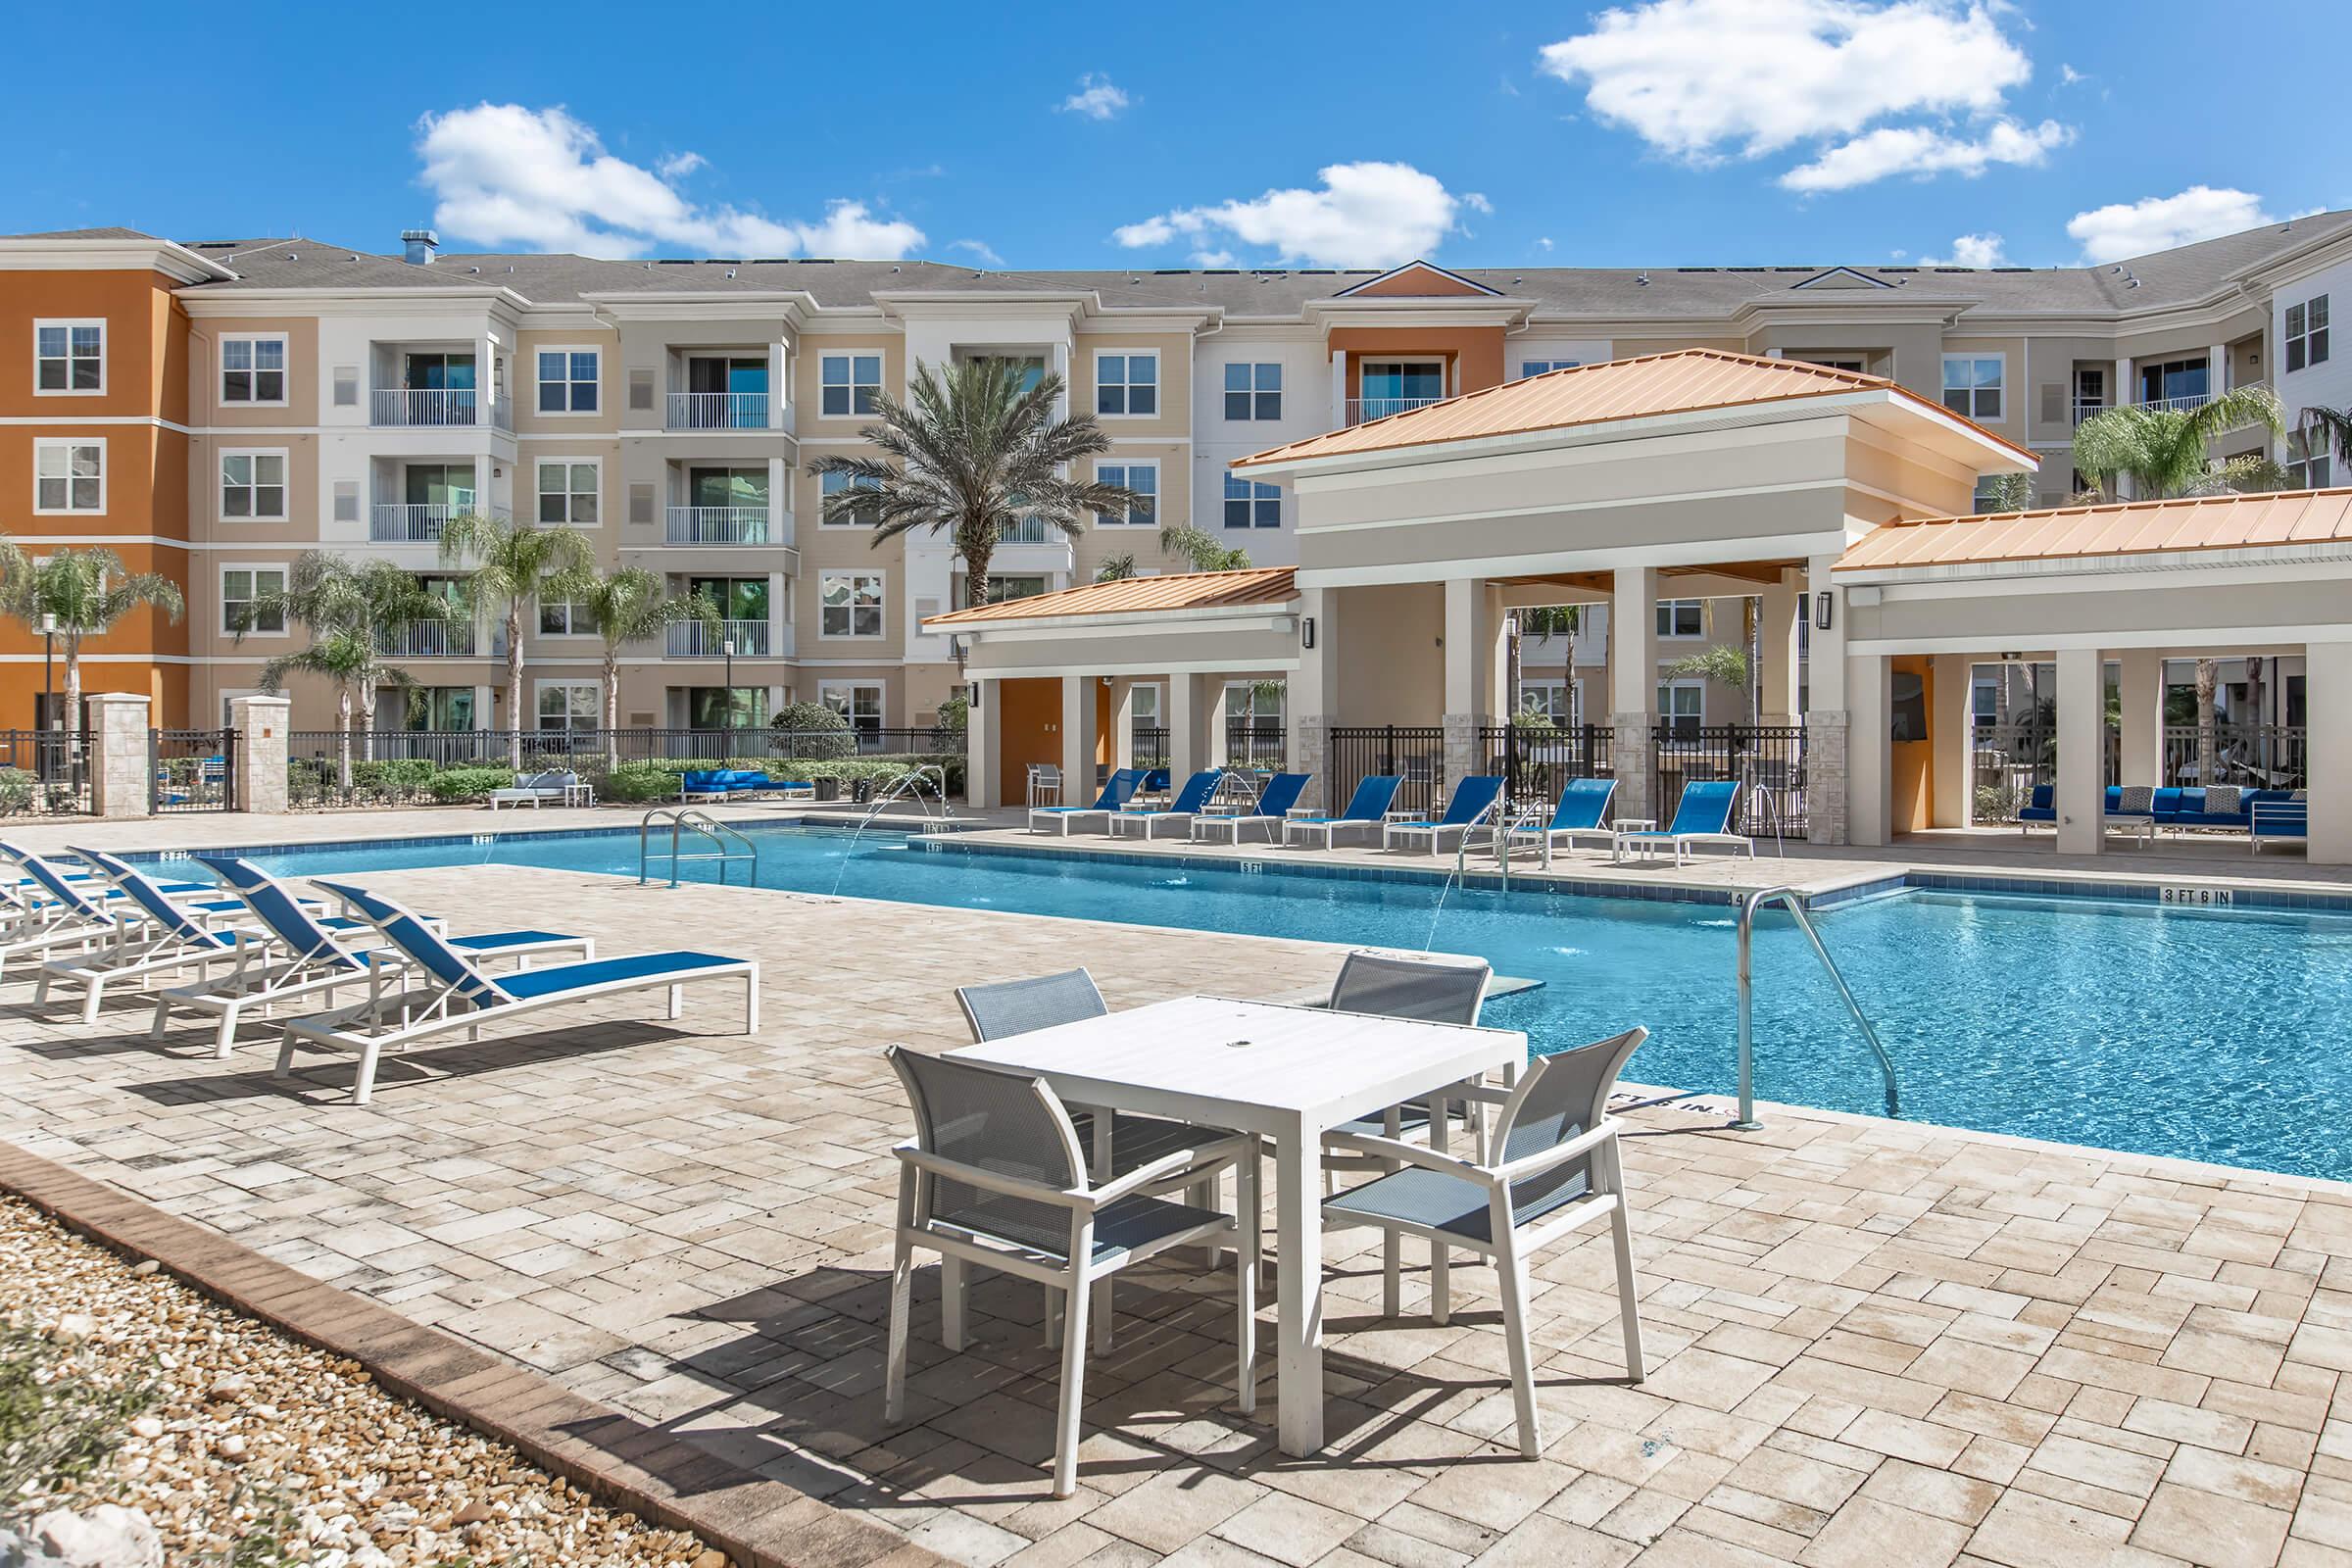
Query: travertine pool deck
point(1872, 1343)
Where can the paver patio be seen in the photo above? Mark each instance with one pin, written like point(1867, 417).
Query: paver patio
point(1872, 1343)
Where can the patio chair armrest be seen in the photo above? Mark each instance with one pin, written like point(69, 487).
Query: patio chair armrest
point(1169, 1164)
point(1410, 1153)
point(993, 1181)
point(1582, 1144)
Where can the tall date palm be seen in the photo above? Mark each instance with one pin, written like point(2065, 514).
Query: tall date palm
point(350, 609)
point(85, 592)
point(509, 565)
point(630, 606)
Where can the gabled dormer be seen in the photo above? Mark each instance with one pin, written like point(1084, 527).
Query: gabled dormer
point(1841, 278)
point(1419, 280)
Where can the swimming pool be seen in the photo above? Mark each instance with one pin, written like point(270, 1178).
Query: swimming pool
point(2210, 1036)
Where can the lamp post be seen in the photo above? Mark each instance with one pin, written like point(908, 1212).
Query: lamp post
point(727, 647)
point(48, 689)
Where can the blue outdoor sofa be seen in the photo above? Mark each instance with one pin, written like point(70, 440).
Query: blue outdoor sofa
point(724, 783)
point(2180, 808)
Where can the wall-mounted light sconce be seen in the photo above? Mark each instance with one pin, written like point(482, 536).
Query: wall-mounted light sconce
point(1306, 632)
point(1822, 613)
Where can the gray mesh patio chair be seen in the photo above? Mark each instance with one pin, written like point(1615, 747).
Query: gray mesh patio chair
point(994, 1175)
point(1558, 1169)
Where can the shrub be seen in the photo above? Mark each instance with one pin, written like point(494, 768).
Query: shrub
point(638, 782)
point(17, 788)
point(61, 1416)
point(452, 784)
point(954, 715)
point(814, 730)
point(1996, 802)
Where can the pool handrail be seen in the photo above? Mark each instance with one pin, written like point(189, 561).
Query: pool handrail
point(1793, 902)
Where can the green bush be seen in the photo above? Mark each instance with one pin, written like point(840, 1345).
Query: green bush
point(814, 730)
point(454, 784)
point(638, 782)
point(17, 788)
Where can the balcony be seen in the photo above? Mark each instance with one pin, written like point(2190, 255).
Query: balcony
point(694, 640)
point(717, 410)
point(438, 408)
point(417, 523)
point(430, 639)
point(1032, 531)
point(1362, 410)
point(719, 525)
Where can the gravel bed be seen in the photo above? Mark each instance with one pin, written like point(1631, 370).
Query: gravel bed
point(251, 1436)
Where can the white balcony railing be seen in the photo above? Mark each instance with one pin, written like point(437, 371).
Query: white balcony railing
point(412, 523)
point(431, 638)
point(1361, 410)
point(718, 411)
point(444, 406)
point(1032, 531)
point(694, 640)
point(2179, 405)
point(2089, 409)
point(719, 525)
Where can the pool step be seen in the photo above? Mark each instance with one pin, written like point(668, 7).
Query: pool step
point(1510, 985)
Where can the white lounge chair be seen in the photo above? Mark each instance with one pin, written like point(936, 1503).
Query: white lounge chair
point(1266, 814)
point(1199, 790)
point(1367, 810)
point(1118, 791)
point(1582, 812)
point(1476, 801)
point(1703, 816)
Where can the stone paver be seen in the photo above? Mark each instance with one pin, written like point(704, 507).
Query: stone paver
point(1872, 1343)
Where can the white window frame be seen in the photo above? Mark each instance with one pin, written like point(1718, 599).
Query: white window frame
point(1566, 700)
point(1127, 384)
point(1669, 612)
point(1127, 468)
point(1668, 689)
point(1253, 391)
point(255, 567)
point(1158, 718)
point(1528, 367)
point(539, 382)
point(1252, 501)
point(2291, 341)
point(881, 606)
point(826, 690)
point(571, 617)
point(1976, 393)
point(2307, 470)
point(567, 684)
point(67, 323)
point(285, 484)
point(45, 444)
point(285, 371)
point(850, 358)
point(847, 482)
point(569, 491)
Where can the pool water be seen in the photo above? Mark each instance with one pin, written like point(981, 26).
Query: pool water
point(2206, 1035)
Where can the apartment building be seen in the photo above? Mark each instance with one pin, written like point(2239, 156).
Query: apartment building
point(255, 398)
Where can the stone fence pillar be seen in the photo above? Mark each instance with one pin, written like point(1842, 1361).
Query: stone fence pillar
point(258, 754)
point(120, 785)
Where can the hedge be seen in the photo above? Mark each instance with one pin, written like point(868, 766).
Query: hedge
point(454, 784)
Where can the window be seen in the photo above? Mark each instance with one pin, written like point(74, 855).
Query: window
point(1254, 705)
point(1000, 588)
point(860, 517)
point(69, 476)
point(850, 605)
point(1680, 617)
point(69, 357)
point(1528, 367)
point(1127, 383)
point(1972, 385)
point(1140, 477)
point(857, 700)
point(2180, 383)
point(570, 705)
point(1989, 496)
point(253, 370)
point(1252, 505)
point(2308, 466)
point(1146, 707)
point(567, 380)
point(848, 382)
point(1555, 700)
point(727, 708)
point(1985, 702)
point(568, 495)
point(253, 484)
point(1253, 391)
point(560, 617)
point(438, 707)
point(2307, 333)
point(240, 588)
point(1682, 705)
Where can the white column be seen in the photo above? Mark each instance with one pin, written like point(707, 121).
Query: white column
point(1122, 722)
point(485, 394)
point(1869, 751)
point(2142, 716)
point(779, 386)
point(983, 746)
point(2217, 370)
point(1314, 693)
point(779, 502)
point(1775, 640)
point(1062, 406)
point(1338, 389)
point(1077, 739)
point(2124, 393)
point(1826, 672)
point(1187, 752)
point(1215, 716)
point(2328, 699)
point(1634, 691)
point(1469, 650)
point(2081, 793)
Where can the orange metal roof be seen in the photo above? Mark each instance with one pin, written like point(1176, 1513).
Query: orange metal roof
point(2119, 528)
point(1191, 590)
point(1680, 381)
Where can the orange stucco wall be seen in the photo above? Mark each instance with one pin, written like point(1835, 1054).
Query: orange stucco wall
point(1474, 352)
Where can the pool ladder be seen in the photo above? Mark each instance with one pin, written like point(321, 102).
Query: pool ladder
point(727, 844)
point(1749, 904)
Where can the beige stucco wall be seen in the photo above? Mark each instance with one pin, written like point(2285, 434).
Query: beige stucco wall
point(304, 391)
point(2274, 604)
point(523, 378)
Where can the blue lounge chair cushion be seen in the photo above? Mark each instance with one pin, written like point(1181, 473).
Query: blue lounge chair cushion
point(1281, 793)
point(531, 983)
point(1583, 803)
point(492, 940)
point(2042, 807)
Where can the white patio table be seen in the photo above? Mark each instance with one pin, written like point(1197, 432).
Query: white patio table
point(1285, 1072)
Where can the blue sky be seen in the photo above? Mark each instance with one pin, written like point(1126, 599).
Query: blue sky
point(1661, 131)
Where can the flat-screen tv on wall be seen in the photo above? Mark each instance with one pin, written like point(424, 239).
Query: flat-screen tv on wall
point(1910, 700)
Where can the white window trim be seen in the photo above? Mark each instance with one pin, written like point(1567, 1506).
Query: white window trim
point(1282, 392)
point(569, 462)
point(1129, 465)
point(104, 464)
point(1549, 366)
point(1683, 683)
point(221, 580)
point(822, 522)
point(286, 373)
point(851, 688)
point(597, 710)
point(1159, 385)
point(880, 382)
point(1942, 386)
point(221, 483)
point(68, 322)
point(1671, 636)
point(537, 381)
point(1223, 499)
point(880, 634)
point(2285, 340)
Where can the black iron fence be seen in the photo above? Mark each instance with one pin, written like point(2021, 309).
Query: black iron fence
point(2006, 761)
point(44, 771)
point(2267, 756)
point(1150, 746)
point(1538, 761)
point(1414, 753)
point(554, 748)
point(192, 770)
point(1766, 760)
point(1256, 746)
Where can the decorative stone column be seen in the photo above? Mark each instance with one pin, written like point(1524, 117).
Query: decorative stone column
point(258, 755)
point(1826, 776)
point(120, 785)
point(1314, 694)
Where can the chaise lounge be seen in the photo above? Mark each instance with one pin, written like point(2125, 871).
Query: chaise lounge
point(1118, 791)
point(1703, 816)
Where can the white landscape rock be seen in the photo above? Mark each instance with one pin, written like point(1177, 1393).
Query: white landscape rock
point(105, 1537)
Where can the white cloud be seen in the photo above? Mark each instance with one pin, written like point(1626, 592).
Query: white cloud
point(1698, 78)
point(979, 250)
point(1212, 258)
point(1095, 98)
point(1969, 250)
point(504, 174)
point(1363, 214)
point(1919, 151)
point(2158, 222)
point(1543, 243)
point(2068, 76)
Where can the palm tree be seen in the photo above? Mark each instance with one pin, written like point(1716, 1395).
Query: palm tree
point(350, 609)
point(1540, 621)
point(85, 591)
point(1117, 568)
point(510, 564)
point(970, 455)
point(628, 605)
point(1200, 550)
point(2323, 427)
